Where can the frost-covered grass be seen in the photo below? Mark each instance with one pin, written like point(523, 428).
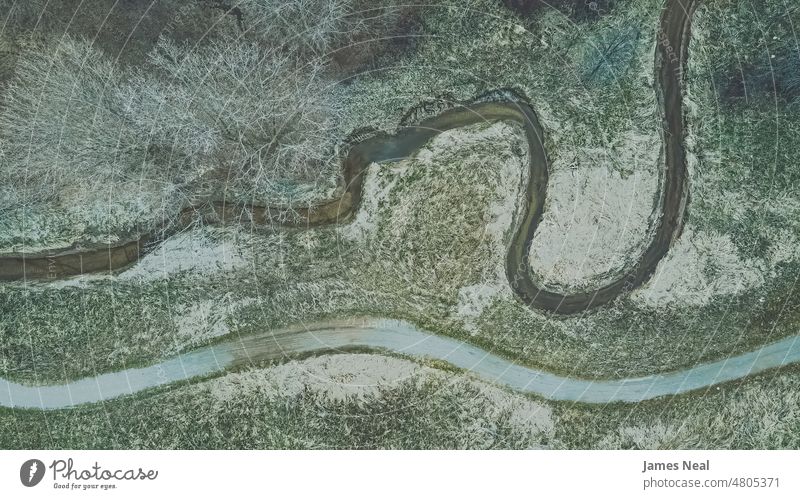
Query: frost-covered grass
point(747, 147)
point(429, 243)
point(429, 246)
point(76, 327)
point(596, 224)
point(760, 412)
point(309, 404)
point(373, 401)
point(602, 128)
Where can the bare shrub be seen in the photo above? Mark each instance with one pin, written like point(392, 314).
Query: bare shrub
point(349, 33)
point(241, 88)
point(125, 30)
point(258, 117)
point(65, 124)
point(575, 9)
point(247, 107)
point(608, 55)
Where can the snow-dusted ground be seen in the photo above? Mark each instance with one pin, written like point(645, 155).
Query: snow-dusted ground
point(785, 248)
point(202, 321)
point(503, 154)
point(378, 182)
point(341, 376)
point(194, 251)
point(381, 179)
point(500, 150)
point(104, 218)
point(503, 206)
point(699, 267)
point(597, 221)
point(202, 251)
point(333, 376)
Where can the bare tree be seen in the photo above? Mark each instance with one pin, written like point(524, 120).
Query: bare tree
point(609, 55)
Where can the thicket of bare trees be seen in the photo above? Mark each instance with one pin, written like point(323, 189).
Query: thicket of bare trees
point(257, 117)
point(65, 125)
point(236, 92)
point(250, 97)
point(576, 9)
point(349, 33)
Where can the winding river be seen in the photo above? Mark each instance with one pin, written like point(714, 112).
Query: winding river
point(401, 337)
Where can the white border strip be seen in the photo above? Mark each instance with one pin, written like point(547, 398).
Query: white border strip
point(409, 474)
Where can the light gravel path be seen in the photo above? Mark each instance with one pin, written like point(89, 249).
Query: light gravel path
point(401, 338)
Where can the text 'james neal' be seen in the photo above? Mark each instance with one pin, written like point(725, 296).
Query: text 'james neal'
point(685, 465)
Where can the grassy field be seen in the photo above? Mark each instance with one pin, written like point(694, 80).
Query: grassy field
point(435, 250)
point(299, 406)
point(429, 247)
point(759, 412)
point(334, 402)
point(429, 243)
